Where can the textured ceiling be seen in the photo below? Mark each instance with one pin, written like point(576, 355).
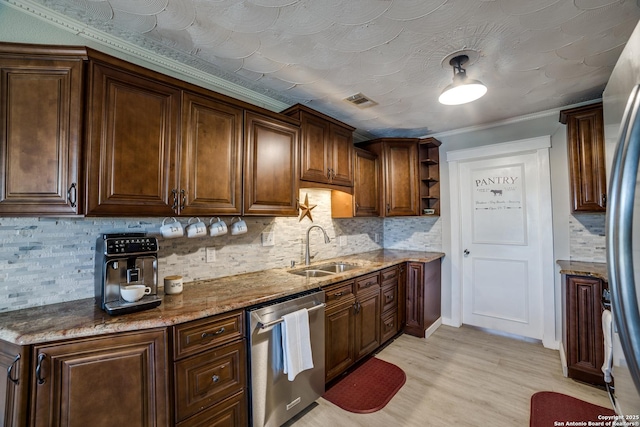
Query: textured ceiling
point(533, 55)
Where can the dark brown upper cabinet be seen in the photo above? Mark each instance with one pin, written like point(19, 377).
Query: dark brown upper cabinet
point(326, 147)
point(400, 194)
point(132, 146)
point(211, 160)
point(40, 129)
point(585, 142)
point(155, 149)
point(271, 165)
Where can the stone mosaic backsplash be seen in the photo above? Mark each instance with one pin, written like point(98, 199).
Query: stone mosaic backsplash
point(586, 237)
point(49, 260)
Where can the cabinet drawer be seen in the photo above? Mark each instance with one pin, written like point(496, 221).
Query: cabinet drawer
point(199, 335)
point(338, 293)
point(230, 412)
point(388, 326)
point(389, 274)
point(389, 297)
point(366, 282)
point(207, 378)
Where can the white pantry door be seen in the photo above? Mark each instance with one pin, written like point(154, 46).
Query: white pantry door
point(503, 224)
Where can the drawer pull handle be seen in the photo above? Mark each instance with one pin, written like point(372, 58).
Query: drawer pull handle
point(337, 294)
point(10, 368)
point(41, 357)
point(211, 335)
point(215, 378)
point(389, 298)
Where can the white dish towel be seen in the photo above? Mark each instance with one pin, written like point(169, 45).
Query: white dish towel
point(296, 343)
point(608, 345)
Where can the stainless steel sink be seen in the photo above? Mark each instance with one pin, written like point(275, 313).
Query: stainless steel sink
point(324, 269)
point(312, 272)
point(336, 267)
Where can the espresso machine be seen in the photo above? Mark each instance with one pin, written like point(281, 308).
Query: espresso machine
point(126, 259)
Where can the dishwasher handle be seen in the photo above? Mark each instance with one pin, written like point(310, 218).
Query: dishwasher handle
point(263, 325)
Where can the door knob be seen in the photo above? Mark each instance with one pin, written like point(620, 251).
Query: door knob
point(466, 252)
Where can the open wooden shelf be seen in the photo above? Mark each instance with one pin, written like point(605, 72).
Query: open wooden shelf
point(429, 158)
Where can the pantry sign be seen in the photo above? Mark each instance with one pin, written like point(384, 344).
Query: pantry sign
point(499, 214)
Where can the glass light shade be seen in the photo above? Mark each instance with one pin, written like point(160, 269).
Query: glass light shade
point(462, 91)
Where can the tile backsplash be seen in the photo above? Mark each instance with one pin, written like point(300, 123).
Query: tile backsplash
point(586, 237)
point(49, 260)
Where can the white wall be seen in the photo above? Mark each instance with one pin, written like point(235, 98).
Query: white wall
point(564, 223)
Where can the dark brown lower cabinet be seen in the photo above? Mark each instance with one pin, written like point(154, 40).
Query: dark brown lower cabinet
point(115, 380)
point(14, 386)
point(582, 328)
point(339, 328)
point(367, 321)
point(422, 296)
point(210, 375)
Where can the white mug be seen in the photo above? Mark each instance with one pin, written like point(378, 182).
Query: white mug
point(172, 285)
point(239, 227)
point(171, 230)
point(218, 228)
point(197, 229)
point(133, 293)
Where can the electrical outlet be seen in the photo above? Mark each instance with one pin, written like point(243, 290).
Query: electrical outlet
point(211, 254)
point(342, 240)
point(376, 237)
point(268, 239)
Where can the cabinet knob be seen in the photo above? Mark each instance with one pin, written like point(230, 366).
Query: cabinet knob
point(174, 193)
point(215, 378)
point(41, 358)
point(184, 199)
point(72, 195)
point(604, 200)
point(15, 380)
point(212, 334)
point(388, 208)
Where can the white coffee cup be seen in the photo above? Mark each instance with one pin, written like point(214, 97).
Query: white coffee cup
point(197, 229)
point(217, 228)
point(133, 293)
point(239, 227)
point(171, 230)
point(172, 285)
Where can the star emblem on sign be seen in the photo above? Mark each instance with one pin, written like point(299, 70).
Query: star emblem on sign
point(305, 208)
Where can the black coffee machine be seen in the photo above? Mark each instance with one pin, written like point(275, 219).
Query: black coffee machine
point(121, 260)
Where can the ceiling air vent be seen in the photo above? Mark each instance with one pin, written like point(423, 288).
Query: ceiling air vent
point(360, 101)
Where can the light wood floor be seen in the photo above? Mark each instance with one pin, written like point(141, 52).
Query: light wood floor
point(461, 377)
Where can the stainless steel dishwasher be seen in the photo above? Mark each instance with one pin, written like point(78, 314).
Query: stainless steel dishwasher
point(273, 398)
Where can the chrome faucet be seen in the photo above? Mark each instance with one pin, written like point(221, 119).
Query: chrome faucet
point(307, 258)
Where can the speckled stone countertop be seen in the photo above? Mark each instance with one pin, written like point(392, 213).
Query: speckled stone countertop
point(82, 318)
point(584, 268)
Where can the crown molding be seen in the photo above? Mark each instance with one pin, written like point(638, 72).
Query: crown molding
point(83, 30)
point(512, 120)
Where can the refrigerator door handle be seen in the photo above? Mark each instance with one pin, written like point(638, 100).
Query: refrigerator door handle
point(619, 236)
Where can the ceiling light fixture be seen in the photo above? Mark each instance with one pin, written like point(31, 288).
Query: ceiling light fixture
point(462, 89)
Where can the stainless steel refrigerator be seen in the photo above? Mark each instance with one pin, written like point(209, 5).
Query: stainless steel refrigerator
point(621, 100)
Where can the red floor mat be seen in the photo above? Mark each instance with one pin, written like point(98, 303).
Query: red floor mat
point(550, 409)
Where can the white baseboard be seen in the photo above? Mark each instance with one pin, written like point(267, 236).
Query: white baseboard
point(563, 361)
point(433, 327)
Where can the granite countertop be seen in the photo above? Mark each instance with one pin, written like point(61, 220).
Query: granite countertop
point(200, 299)
point(584, 268)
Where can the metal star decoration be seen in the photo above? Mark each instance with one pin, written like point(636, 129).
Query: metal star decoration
point(305, 208)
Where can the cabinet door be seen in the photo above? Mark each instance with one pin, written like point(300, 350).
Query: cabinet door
point(271, 166)
point(366, 188)
point(402, 295)
point(315, 155)
point(40, 123)
point(119, 380)
point(585, 342)
point(211, 161)
point(401, 192)
point(414, 324)
point(339, 339)
point(14, 384)
point(585, 141)
point(341, 156)
point(132, 147)
point(367, 322)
